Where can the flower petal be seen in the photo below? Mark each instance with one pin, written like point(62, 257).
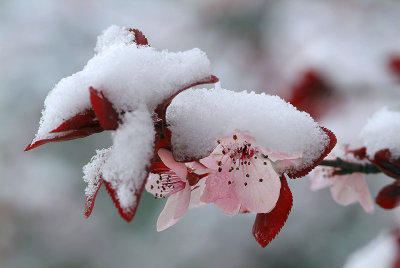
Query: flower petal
point(218, 186)
point(230, 206)
point(175, 208)
point(196, 193)
point(348, 189)
point(257, 186)
point(389, 196)
point(268, 225)
point(167, 158)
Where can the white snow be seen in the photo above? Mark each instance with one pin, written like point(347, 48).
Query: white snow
point(113, 36)
point(128, 75)
point(382, 131)
point(92, 169)
point(129, 159)
point(198, 118)
point(380, 252)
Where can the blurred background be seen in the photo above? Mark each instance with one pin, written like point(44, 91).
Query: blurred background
point(338, 60)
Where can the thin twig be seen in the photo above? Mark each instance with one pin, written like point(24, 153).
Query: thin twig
point(344, 167)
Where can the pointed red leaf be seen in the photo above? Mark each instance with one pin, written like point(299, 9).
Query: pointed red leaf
point(105, 113)
point(328, 149)
point(389, 196)
point(128, 213)
point(387, 164)
point(140, 39)
point(64, 136)
point(89, 204)
point(84, 120)
point(268, 225)
point(162, 108)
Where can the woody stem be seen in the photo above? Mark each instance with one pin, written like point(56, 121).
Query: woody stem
point(343, 167)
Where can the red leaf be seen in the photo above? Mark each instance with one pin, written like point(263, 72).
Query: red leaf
point(140, 39)
point(387, 164)
point(312, 94)
point(70, 135)
point(389, 196)
point(360, 153)
point(84, 120)
point(129, 213)
point(104, 110)
point(394, 65)
point(268, 225)
point(162, 108)
point(328, 149)
point(89, 204)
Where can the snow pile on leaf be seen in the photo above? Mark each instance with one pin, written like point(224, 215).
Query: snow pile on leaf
point(127, 73)
point(382, 131)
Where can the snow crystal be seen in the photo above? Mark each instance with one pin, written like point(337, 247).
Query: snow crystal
point(382, 131)
point(130, 157)
point(127, 74)
point(380, 252)
point(113, 36)
point(198, 118)
point(91, 171)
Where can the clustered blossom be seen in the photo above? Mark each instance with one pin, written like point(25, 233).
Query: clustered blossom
point(234, 149)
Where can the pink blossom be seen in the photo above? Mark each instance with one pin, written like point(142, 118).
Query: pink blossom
point(177, 182)
point(242, 176)
point(345, 189)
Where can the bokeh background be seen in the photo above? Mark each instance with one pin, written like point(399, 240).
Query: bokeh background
point(341, 54)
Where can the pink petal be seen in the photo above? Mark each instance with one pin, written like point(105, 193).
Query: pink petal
point(175, 208)
point(198, 168)
point(257, 186)
point(348, 189)
point(219, 185)
point(268, 225)
point(230, 206)
point(319, 179)
point(167, 158)
point(197, 191)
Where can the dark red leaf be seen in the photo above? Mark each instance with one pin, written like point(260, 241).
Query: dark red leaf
point(360, 153)
point(387, 164)
point(394, 65)
point(129, 213)
point(89, 204)
point(70, 135)
point(105, 113)
point(389, 196)
point(140, 39)
point(312, 94)
point(328, 149)
point(84, 120)
point(268, 225)
point(162, 108)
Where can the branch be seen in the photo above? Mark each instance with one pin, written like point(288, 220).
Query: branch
point(343, 167)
